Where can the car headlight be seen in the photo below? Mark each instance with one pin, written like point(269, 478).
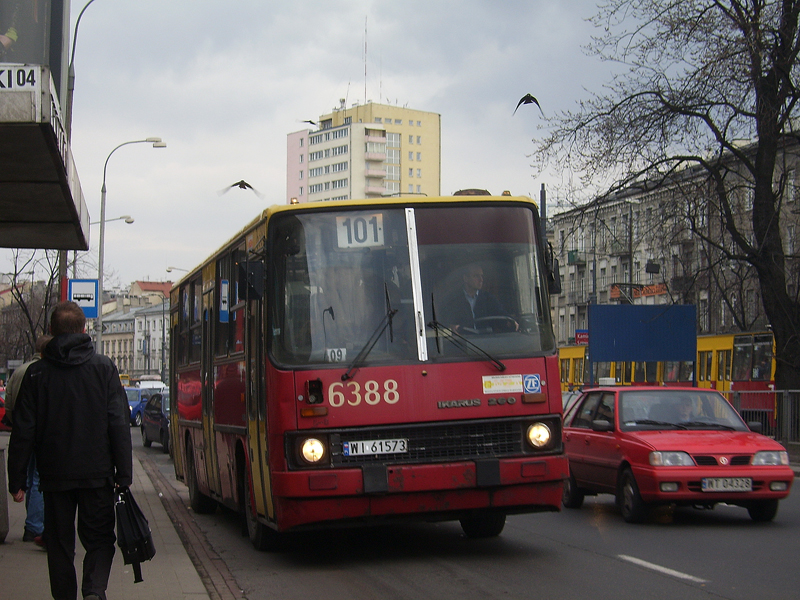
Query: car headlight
point(671, 459)
point(312, 450)
point(771, 457)
point(539, 435)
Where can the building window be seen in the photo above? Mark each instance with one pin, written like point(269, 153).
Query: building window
point(319, 155)
point(301, 174)
point(419, 189)
point(393, 140)
point(419, 172)
point(410, 188)
point(398, 121)
point(419, 139)
point(316, 171)
point(348, 120)
point(393, 155)
point(410, 122)
point(340, 133)
point(393, 172)
point(411, 172)
point(419, 155)
point(316, 188)
point(339, 167)
point(410, 139)
point(301, 142)
point(378, 120)
point(339, 150)
point(419, 123)
point(301, 158)
point(301, 190)
point(339, 184)
point(410, 156)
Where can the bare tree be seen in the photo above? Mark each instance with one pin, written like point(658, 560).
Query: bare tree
point(706, 85)
point(33, 288)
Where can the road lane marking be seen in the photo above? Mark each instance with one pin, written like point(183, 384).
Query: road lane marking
point(660, 569)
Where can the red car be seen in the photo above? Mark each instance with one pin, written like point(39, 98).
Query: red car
point(3, 409)
point(681, 446)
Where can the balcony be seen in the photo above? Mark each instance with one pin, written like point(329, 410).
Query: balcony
point(576, 257)
point(42, 202)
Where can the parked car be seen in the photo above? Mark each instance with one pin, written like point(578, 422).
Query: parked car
point(680, 446)
point(3, 409)
point(137, 398)
point(155, 421)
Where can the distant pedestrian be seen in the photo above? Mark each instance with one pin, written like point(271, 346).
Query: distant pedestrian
point(34, 502)
point(72, 412)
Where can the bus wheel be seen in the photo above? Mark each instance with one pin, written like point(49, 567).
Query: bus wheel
point(763, 511)
point(483, 525)
point(261, 536)
point(199, 502)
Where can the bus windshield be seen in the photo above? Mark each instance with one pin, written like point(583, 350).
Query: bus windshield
point(399, 285)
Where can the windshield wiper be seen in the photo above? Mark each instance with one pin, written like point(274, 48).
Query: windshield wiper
point(385, 322)
point(459, 341)
point(463, 344)
point(708, 424)
point(651, 422)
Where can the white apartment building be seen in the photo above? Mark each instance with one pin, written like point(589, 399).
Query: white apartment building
point(366, 151)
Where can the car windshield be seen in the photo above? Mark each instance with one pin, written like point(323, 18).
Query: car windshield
point(677, 409)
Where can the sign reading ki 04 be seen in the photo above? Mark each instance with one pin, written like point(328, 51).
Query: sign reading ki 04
point(83, 292)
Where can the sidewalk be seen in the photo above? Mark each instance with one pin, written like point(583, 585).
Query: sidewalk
point(171, 574)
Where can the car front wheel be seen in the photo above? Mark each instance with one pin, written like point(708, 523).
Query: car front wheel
point(763, 511)
point(572, 496)
point(633, 508)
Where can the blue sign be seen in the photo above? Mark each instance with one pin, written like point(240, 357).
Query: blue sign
point(83, 292)
point(223, 301)
point(532, 384)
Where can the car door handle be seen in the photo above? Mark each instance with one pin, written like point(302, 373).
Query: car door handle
point(586, 441)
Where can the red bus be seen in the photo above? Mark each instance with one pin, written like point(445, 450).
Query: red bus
point(319, 376)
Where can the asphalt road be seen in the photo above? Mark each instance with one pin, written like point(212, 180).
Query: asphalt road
point(589, 553)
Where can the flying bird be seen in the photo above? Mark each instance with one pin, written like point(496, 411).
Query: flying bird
point(528, 99)
point(242, 184)
point(309, 121)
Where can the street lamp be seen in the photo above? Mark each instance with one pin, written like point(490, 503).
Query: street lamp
point(127, 218)
point(171, 269)
point(157, 143)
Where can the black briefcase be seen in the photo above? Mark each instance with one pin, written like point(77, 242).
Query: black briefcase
point(133, 533)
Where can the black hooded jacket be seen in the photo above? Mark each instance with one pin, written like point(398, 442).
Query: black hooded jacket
point(72, 412)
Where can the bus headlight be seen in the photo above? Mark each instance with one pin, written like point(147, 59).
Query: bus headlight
point(312, 450)
point(539, 435)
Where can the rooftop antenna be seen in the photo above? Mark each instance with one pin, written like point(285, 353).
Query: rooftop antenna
point(365, 61)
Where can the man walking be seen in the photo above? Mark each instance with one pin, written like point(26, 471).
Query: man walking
point(34, 503)
point(72, 413)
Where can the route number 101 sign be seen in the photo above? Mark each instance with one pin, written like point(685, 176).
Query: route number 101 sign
point(358, 230)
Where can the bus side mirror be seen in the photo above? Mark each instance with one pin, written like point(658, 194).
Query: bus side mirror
point(553, 271)
point(251, 278)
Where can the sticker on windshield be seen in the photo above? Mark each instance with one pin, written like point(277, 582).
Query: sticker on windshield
point(502, 384)
point(333, 355)
point(359, 230)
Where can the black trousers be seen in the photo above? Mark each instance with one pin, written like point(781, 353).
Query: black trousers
point(95, 507)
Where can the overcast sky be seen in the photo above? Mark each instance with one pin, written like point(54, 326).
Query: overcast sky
point(223, 83)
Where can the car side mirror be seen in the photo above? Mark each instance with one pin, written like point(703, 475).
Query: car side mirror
point(756, 426)
point(601, 425)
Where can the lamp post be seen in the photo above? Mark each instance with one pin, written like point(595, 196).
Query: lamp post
point(171, 269)
point(127, 218)
point(157, 143)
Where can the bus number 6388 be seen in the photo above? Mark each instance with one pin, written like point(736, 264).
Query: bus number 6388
point(352, 393)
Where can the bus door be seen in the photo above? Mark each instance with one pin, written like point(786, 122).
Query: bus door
point(257, 426)
point(207, 375)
